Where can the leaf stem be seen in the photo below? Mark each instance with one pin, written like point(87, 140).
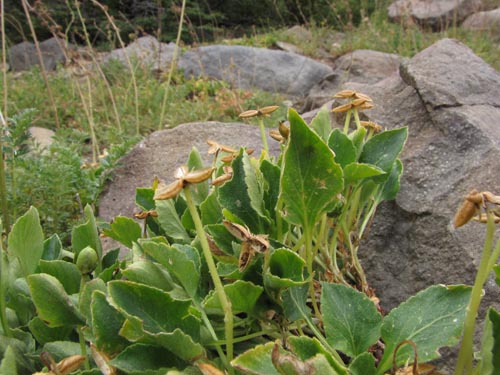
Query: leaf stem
point(347, 121)
point(224, 300)
point(263, 135)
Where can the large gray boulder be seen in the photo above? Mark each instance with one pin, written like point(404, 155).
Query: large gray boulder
point(437, 14)
point(24, 56)
point(488, 21)
point(260, 68)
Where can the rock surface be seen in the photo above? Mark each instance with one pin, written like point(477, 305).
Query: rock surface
point(436, 14)
point(488, 21)
point(250, 67)
point(23, 56)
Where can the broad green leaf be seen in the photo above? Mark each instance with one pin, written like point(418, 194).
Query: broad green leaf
point(343, 148)
point(8, 364)
point(494, 318)
point(438, 308)
point(363, 364)
point(144, 198)
point(52, 302)
point(358, 171)
point(257, 361)
point(310, 178)
point(179, 343)
point(286, 269)
point(242, 294)
point(322, 124)
point(384, 148)
point(52, 248)
point(352, 322)
point(210, 209)
point(148, 273)
point(19, 299)
point(106, 325)
point(199, 190)
point(26, 241)
point(294, 303)
point(62, 349)
point(496, 269)
point(22, 345)
point(271, 174)
point(86, 234)
point(391, 186)
point(484, 357)
point(222, 238)
point(243, 194)
point(156, 309)
point(85, 300)
point(110, 258)
point(184, 264)
point(308, 347)
point(43, 333)
point(67, 273)
point(141, 357)
point(357, 138)
point(170, 221)
point(124, 230)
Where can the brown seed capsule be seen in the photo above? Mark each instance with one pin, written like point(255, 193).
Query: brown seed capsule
point(342, 108)
point(208, 369)
point(145, 214)
point(371, 125)
point(102, 361)
point(284, 130)
point(358, 102)
point(246, 256)
point(214, 147)
point(268, 110)
point(466, 211)
point(359, 95)
point(70, 364)
point(345, 94)
point(171, 190)
point(489, 197)
point(249, 113)
point(275, 134)
point(221, 179)
point(200, 175)
point(366, 105)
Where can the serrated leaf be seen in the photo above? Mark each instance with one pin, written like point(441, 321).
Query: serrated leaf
point(436, 309)
point(86, 234)
point(363, 364)
point(286, 269)
point(352, 322)
point(26, 241)
point(106, 325)
point(52, 302)
point(52, 247)
point(384, 148)
point(310, 178)
point(8, 364)
point(322, 124)
point(148, 273)
point(170, 221)
point(343, 147)
point(242, 294)
point(358, 171)
point(257, 361)
point(67, 273)
point(124, 230)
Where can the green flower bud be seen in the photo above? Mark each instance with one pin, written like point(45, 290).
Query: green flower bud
point(87, 260)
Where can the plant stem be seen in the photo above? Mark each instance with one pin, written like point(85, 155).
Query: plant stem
point(347, 121)
point(219, 288)
point(465, 355)
point(263, 135)
point(4, 204)
point(3, 280)
point(83, 347)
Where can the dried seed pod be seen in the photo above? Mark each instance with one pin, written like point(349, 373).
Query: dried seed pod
point(366, 105)
point(466, 211)
point(215, 147)
point(358, 102)
point(342, 108)
point(70, 364)
point(491, 198)
point(208, 369)
point(171, 190)
point(359, 95)
point(475, 197)
point(228, 158)
point(345, 94)
point(145, 214)
point(249, 113)
point(275, 134)
point(221, 179)
point(483, 218)
point(246, 256)
point(268, 110)
point(101, 360)
point(181, 171)
point(371, 125)
point(284, 130)
point(200, 175)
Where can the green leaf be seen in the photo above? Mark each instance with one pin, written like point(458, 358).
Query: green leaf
point(67, 273)
point(436, 309)
point(494, 318)
point(19, 299)
point(144, 198)
point(286, 269)
point(496, 269)
point(62, 349)
point(485, 356)
point(294, 303)
point(106, 325)
point(384, 148)
point(271, 174)
point(357, 138)
point(210, 209)
point(199, 190)
point(170, 221)
point(243, 194)
point(43, 333)
point(26, 241)
point(156, 309)
point(257, 361)
point(322, 124)
point(391, 186)
point(184, 264)
point(86, 234)
point(52, 302)
point(343, 147)
point(363, 364)
point(242, 294)
point(8, 365)
point(124, 230)
point(359, 171)
point(52, 247)
point(308, 347)
point(141, 357)
point(148, 273)
point(21, 344)
point(352, 322)
point(310, 178)
point(85, 300)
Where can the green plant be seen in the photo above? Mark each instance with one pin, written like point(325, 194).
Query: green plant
point(261, 266)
